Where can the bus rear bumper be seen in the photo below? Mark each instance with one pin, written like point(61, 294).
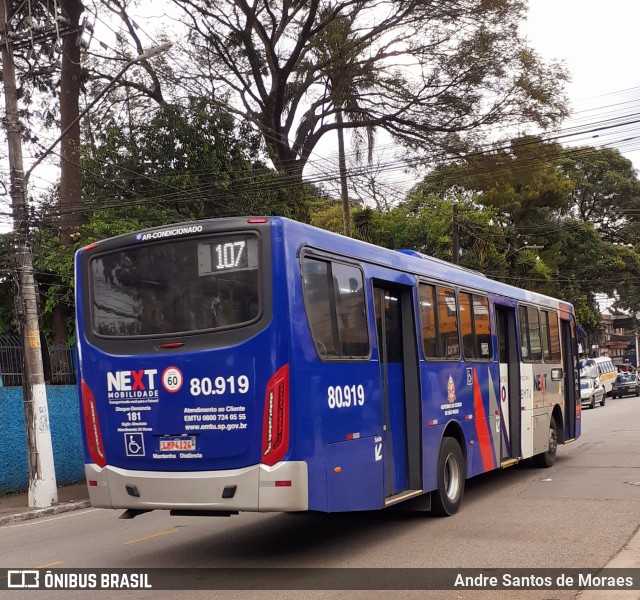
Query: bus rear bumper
point(258, 488)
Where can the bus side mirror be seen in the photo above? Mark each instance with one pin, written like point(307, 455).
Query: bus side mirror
point(557, 374)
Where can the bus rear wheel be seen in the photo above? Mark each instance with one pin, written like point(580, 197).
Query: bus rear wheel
point(546, 459)
point(451, 478)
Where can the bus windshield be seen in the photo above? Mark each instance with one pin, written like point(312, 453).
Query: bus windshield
point(177, 286)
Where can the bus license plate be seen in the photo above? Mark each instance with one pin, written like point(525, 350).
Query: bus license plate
point(177, 443)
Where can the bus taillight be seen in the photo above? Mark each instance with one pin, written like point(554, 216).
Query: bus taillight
point(92, 427)
point(275, 433)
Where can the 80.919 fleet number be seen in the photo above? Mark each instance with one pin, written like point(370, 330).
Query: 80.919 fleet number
point(344, 396)
point(207, 386)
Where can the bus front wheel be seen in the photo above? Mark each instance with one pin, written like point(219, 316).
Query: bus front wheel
point(451, 477)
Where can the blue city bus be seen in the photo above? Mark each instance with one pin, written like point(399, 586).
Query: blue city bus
point(260, 364)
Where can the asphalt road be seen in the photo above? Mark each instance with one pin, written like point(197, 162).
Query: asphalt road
point(579, 513)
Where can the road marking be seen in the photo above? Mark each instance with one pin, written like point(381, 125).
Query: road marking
point(41, 520)
point(53, 564)
point(148, 537)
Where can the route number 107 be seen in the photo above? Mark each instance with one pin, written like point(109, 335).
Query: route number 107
point(343, 396)
point(231, 255)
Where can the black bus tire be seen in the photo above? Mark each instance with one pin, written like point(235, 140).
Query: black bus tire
point(451, 479)
point(546, 459)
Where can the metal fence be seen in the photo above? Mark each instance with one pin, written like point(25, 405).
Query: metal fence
point(58, 362)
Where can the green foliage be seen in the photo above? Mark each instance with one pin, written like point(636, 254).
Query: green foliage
point(521, 182)
point(185, 163)
point(327, 215)
point(423, 224)
point(606, 192)
point(587, 314)
point(425, 228)
point(482, 239)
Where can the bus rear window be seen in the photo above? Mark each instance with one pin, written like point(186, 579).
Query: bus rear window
point(177, 286)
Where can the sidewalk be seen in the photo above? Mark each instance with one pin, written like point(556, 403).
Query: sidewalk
point(15, 507)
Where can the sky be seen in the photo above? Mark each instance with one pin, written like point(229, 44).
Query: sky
point(600, 45)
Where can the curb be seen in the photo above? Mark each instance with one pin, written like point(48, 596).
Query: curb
point(35, 513)
point(627, 558)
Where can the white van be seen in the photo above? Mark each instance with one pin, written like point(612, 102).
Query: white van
point(601, 369)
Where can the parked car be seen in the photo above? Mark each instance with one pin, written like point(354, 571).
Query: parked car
point(626, 384)
point(591, 392)
point(602, 369)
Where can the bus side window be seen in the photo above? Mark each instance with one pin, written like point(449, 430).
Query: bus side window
point(534, 334)
point(438, 322)
point(475, 327)
point(525, 345)
point(482, 327)
point(427, 300)
point(335, 307)
point(466, 325)
point(554, 335)
point(448, 340)
point(316, 283)
point(544, 334)
point(351, 315)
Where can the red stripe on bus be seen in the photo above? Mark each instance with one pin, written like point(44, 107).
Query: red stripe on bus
point(482, 428)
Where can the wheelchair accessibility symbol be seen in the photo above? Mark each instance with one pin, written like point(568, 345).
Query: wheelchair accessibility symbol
point(134, 444)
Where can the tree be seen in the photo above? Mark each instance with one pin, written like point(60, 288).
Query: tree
point(39, 26)
point(101, 68)
point(520, 180)
point(70, 201)
point(606, 192)
point(346, 80)
point(444, 71)
point(188, 161)
point(526, 193)
point(70, 85)
point(423, 224)
point(588, 266)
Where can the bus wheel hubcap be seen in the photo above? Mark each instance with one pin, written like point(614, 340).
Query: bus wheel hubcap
point(451, 477)
point(553, 441)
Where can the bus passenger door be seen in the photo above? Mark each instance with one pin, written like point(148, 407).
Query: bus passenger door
point(399, 388)
point(570, 380)
point(509, 383)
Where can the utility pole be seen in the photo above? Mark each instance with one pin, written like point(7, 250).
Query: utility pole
point(344, 192)
point(455, 236)
point(43, 491)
